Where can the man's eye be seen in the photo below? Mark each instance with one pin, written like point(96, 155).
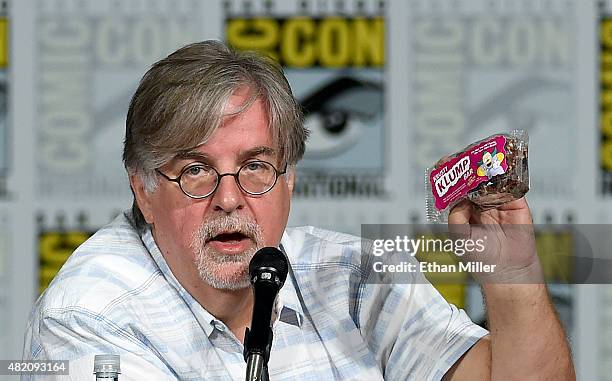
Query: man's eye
point(255, 166)
point(197, 170)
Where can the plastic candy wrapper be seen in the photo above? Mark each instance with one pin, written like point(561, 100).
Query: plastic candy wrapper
point(490, 172)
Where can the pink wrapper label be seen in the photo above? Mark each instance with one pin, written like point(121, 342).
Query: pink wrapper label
point(455, 178)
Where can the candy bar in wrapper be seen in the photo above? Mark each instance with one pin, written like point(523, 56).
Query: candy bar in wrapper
point(490, 172)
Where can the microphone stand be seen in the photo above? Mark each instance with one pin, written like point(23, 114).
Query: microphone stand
point(256, 370)
point(257, 363)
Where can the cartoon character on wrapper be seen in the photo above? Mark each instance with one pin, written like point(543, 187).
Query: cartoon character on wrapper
point(491, 164)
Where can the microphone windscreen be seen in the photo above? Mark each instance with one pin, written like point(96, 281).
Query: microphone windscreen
point(270, 257)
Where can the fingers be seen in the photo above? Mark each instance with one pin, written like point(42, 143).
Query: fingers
point(521, 203)
point(513, 212)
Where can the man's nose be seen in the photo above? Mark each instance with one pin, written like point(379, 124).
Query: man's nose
point(228, 197)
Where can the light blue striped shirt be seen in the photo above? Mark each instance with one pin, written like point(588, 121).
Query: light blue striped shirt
point(116, 294)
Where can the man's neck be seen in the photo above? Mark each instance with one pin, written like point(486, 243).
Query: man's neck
point(232, 307)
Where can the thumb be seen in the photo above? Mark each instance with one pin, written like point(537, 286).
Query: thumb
point(459, 219)
point(461, 213)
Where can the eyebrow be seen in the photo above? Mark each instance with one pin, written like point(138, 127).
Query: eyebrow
point(200, 156)
point(257, 151)
point(192, 155)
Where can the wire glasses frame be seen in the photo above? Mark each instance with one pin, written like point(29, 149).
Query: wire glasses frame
point(255, 178)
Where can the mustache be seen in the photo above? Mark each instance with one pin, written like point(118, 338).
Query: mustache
point(230, 223)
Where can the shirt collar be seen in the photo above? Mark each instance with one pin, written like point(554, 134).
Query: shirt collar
point(287, 302)
point(292, 312)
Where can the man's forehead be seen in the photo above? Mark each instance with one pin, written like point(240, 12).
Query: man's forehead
point(240, 136)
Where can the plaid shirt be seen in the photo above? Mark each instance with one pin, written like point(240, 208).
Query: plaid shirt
point(116, 294)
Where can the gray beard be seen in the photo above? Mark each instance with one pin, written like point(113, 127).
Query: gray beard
point(212, 266)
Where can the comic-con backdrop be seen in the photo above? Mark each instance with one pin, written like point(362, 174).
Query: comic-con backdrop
point(387, 87)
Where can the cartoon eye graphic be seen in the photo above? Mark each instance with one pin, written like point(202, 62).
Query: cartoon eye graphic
point(490, 165)
point(337, 113)
point(522, 102)
point(334, 122)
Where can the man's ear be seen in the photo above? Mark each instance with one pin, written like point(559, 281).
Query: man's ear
point(143, 199)
point(290, 178)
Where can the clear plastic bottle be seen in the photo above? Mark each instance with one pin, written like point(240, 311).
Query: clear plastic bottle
point(106, 367)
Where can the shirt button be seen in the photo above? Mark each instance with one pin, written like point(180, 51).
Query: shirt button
point(219, 326)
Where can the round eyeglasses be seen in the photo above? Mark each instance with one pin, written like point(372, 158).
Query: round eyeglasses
point(200, 181)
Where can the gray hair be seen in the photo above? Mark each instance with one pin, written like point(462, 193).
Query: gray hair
point(180, 102)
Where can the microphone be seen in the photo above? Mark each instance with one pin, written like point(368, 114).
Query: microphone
point(268, 271)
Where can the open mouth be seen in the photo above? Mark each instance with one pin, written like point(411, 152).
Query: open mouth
point(229, 237)
point(230, 243)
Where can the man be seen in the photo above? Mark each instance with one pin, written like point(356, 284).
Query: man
point(211, 144)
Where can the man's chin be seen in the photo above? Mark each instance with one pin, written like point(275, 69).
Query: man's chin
point(226, 276)
point(229, 284)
